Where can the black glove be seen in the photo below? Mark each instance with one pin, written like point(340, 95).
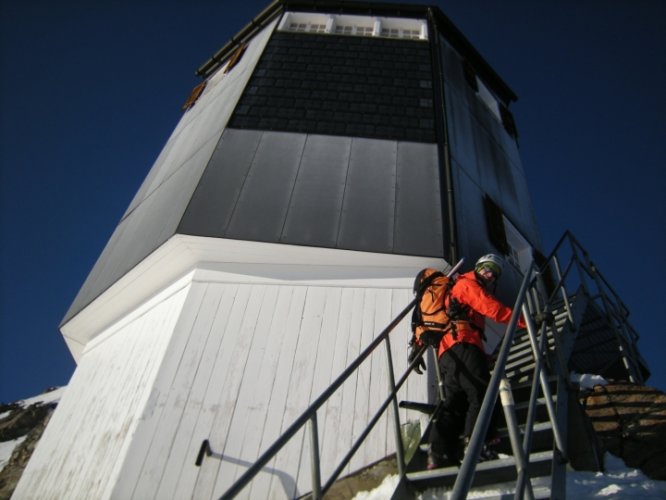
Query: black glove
point(544, 317)
point(431, 337)
point(413, 352)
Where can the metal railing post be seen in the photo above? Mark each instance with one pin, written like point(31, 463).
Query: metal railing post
point(506, 397)
point(399, 449)
point(534, 393)
point(545, 387)
point(314, 457)
point(628, 365)
point(562, 288)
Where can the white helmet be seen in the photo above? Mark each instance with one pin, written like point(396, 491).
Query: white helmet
point(492, 262)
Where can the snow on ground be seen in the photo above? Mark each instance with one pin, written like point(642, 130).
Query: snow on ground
point(618, 481)
point(7, 447)
point(384, 490)
point(588, 381)
point(45, 398)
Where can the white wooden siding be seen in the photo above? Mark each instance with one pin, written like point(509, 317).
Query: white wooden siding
point(256, 356)
point(232, 359)
point(80, 453)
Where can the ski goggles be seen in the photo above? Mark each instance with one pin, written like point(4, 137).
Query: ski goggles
point(490, 266)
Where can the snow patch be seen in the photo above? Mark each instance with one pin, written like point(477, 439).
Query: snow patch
point(587, 380)
point(46, 398)
point(384, 490)
point(7, 448)
point(618, 481)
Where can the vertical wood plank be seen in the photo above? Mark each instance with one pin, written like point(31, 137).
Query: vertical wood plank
point(88, 435)
point(300, 384)
point(287, 322)
point(182, 452)
point(177, 398)
point(211, 389)
point(153, 408)
point(361, 397)
point(233, 350)
point(333, 414)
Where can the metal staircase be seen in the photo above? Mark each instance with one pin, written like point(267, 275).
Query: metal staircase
point(543, 430)
point(543, 457)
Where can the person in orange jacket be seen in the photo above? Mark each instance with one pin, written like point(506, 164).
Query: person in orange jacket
point(463, 362)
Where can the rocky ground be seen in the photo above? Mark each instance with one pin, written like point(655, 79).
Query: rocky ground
point(23, 425)
point(629, 421)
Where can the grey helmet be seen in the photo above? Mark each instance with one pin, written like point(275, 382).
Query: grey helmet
point(492, 262)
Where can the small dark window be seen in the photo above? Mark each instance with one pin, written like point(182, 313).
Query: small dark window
point(546, 272)
point(235, 57)
point(508, 121)
point(470, 75)
point(194, 95)
point(495, 224)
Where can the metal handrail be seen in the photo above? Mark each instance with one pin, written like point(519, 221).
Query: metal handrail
point(579, 262)
point(310, 413)
point(597, 288)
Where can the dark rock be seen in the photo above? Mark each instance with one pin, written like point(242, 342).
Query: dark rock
point(19, 421)
point(630, 421)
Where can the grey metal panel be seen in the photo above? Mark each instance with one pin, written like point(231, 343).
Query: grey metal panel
point(504, 173)
point(145, 229)
point(215, 198)
point(369, 203)
point(153, 215)
point(496, 177)
point(319, 190)
point(472, 234)
point(460, 127)
point(206, 120)
point(316, 202)
point(418, 221)
point(264, 198)
point(452, 67)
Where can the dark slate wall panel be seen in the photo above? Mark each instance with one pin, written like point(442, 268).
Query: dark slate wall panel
point(319, 190)
point(341, 85)
point(368, 210)
point(263, 202)
point(418, 223)
point(316, 202)
point(215, 198)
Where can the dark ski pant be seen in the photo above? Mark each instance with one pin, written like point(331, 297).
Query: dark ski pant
point(465, 374)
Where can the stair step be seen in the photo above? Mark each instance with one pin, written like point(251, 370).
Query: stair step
point(524, 347)
point(525, 385)
point(542, 437)
point(494, 471)
point(506, 491)
point(521, 408)
point(520, 371)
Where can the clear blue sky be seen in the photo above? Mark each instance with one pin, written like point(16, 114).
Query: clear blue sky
point(92, 90)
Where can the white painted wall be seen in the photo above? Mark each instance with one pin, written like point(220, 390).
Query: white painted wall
point(232, 352)
point(255, 357)
point(86, 440)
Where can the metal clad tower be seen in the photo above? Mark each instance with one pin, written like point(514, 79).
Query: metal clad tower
point(332, 150)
